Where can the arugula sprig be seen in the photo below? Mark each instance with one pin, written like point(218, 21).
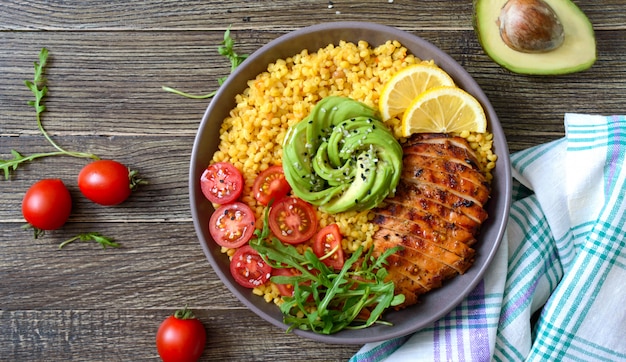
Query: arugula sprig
point(39, 89)
point(326, 301)
point(227, 49)
point(104, 241)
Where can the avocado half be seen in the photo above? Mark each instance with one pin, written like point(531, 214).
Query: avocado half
point(576, 53)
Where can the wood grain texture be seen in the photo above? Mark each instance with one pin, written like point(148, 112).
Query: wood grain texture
point(108, 61)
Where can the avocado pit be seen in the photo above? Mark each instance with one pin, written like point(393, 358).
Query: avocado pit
point(530, 26)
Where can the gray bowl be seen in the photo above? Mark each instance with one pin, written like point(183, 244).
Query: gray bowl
point(435, 304)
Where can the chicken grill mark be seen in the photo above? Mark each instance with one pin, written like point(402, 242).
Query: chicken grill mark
point(435, 214)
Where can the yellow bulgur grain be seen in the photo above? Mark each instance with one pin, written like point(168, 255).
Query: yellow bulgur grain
point(251, 137)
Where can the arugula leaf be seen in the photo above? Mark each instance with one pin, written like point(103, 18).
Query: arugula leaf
point(227, 49)
point(326, 301)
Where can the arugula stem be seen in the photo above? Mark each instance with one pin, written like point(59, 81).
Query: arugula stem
point(330, 253)
point(227, 49)
point(192, 96)
point(330, 294)
point(61, 150)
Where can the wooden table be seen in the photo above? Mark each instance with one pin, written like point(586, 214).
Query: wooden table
point(108, 61)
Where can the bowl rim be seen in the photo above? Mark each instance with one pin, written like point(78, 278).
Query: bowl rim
point(355, 29)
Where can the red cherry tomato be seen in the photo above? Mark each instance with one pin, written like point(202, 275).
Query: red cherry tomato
point(293, 220)
point(181, 338)
point(327, 241)
point(232, 225)
point(270, 184)
point(286, 290)
point(248, 268)
point(47, 204)
point(105, 182)
point(221, 183)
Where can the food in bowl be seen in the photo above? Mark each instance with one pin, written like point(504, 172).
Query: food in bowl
point(431, 306)
point(330, 99)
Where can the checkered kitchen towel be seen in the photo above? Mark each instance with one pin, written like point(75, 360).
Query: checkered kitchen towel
point(563, 255)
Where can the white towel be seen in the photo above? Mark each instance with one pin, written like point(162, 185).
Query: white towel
point(556, 290)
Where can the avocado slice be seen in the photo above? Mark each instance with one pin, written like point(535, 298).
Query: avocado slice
point(576, 53)
point(341, 157)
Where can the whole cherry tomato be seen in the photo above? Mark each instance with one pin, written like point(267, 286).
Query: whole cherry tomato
point(106, 182)
point(181, 337)
point(47, 204)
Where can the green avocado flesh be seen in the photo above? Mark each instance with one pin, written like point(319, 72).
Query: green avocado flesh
point(341, 157)
point(577, 53)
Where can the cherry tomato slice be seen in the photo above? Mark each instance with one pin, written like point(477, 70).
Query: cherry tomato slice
point(327, 240)
point(221, 183)
point(270, 184)
point(248, 268)
point(232, 225)
point(293, 220)
point(286, 290)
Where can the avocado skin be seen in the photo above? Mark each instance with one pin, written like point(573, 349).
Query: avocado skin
point(342, 157)
point(577, 54)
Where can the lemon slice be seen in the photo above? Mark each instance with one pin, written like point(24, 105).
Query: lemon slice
point(407, 84)
point(444, 110)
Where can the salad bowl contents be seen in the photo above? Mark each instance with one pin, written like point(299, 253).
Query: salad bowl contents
point(366, 180)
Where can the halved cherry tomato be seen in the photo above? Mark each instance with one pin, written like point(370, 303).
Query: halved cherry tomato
point(270, 184)
point(221, 183)
point(293, 220)
point(327, 240)
point(248, 268)
point(232, 225)
point(286, 290)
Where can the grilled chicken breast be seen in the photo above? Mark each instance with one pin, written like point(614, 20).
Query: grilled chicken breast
point(435, 214)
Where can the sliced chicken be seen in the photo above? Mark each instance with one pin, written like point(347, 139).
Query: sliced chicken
point(434, 216)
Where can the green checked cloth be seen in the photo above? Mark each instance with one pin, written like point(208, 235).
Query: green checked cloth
point(563, 257)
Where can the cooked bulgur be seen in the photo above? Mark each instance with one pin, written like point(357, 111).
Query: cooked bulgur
point(251, 137)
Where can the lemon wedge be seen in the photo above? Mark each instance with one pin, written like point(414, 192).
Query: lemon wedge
point(444, 110)
point(408, 83)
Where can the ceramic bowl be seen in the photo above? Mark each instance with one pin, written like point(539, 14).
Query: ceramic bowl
point(435, 304)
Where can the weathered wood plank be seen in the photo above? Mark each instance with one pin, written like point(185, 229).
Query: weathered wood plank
point(103, 335)
point(157, 265)
point(171, 14)
point(281, 14)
